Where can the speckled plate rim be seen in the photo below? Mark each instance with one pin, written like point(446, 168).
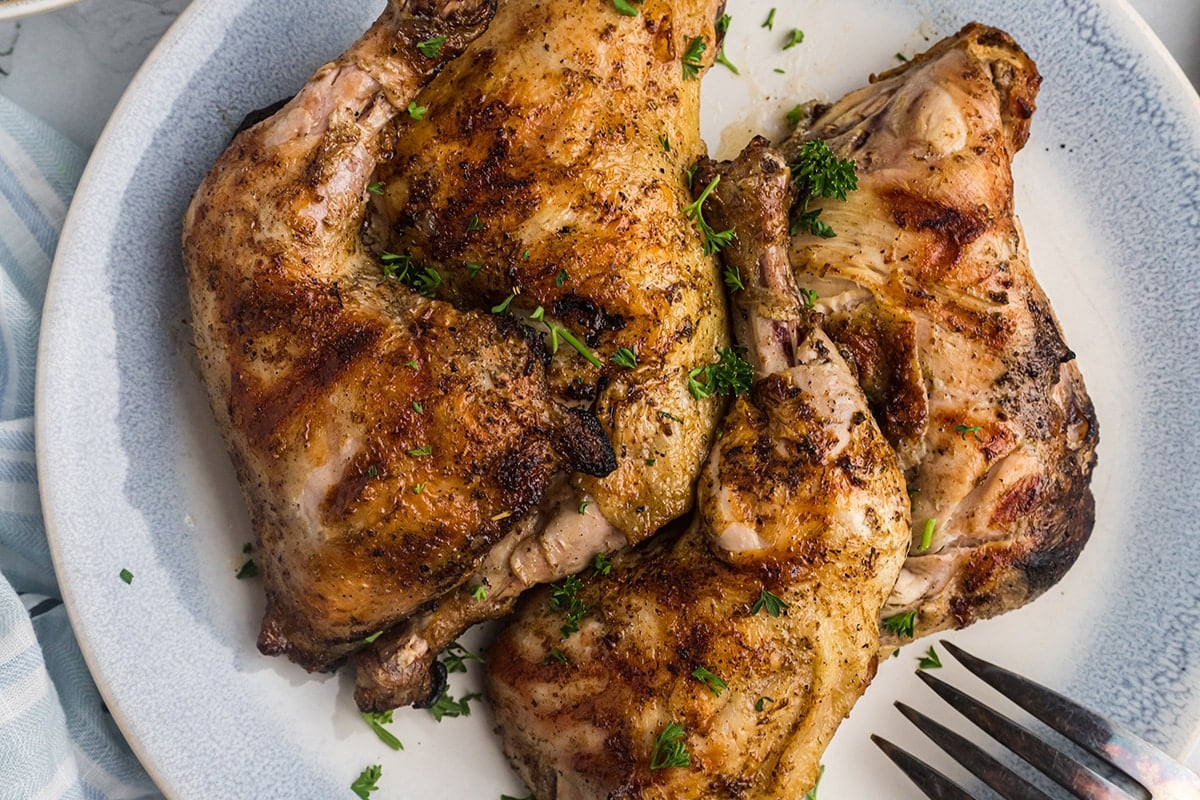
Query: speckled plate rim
point(209, 719)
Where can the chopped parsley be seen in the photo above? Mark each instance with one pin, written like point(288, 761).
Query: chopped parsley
point(665, 141)
point(733, 279)
point(417, 112)
point(625, 7)
point(927, 534)
point(625, 357)
point(412, 364)
point(479, 593)
point(901, 57)
point(903, 624)
point(377, 721)
point(432, 48)
point(557, 655)
point(372, 637)
point(930, 660)
point(247, 570)
point(761, 703)
point(963, 430)
point(713, 240)
point(455, 658)
point(474, 224)
point(670, 416)
point(561, 278)
point(447, 706)
point(126, 576)
point(367, 781)
point(770, 603)
point(798, 113)
point(691, 58)
point(565, 597)
point(473, 270)
point(375, 188)
point(809, 296)
point(418, 452)
point(420, 487)
point(583, 506)
point(669, 749)
point(650, 462)
point(712, 681)
point(817, 172)
point(402, 268)
point(731, 375)
point(417, 407)
point(769, 24)
point(502, 306)
point(811, 794)
point(794, 38)
point(601, 563)
point(557, 331)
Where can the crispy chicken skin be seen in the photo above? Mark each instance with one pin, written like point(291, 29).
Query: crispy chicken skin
point(928, 291)
point(384, 441)
point(551, 157)
point(802, 497)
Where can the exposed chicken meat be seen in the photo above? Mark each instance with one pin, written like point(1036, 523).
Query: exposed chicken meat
point(547, 171)
point(384, 441)
point(685, 679)
point(928, 291)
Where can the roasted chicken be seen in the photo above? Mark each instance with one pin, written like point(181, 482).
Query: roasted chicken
point(928, 291)
point(384, 441)
point(543, 173)
point(717, 663)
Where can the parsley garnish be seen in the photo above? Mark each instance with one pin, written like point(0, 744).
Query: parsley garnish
point(126, 576)
point(473, 270)
point(901, 624)
point(723, 23)
point(412, 364)
point(455, 658)
point(930, 660)
point(713, 241)
point(565, 597)
point(432, 48)
point(372, 637)
point(426, 281)
point(796, 114)
point(725, 62)
point(375, 188)
point(665, 141)
point(731, 375)
point(770, 23)
point(248, 548)
point(625, 357)
point(561, 278)
point(395, 265)
point(417, 112)
point(447, 706)
point(927, 534)
point(557, 330)
point(670, 416)
point(601, 563)
point(583, 506)
point(901, 57)
point(479, 593)
point(377, 721)
point(819, 173)
point(761, 703)
point(714, 683)
point(248, 570)
point(811, 794)
point(771, 603)
point(809, 296)
point(963, 430)
point(421, 451)
point(420, 487)
point(794, 38)
point(402, 268)
point(733, 279)
point(367, 781)
point(624, 7)
point(417, 407)
point(650, 462)
point(691, 58)
point(557, 655)
point(474, 224)
point(669, 749)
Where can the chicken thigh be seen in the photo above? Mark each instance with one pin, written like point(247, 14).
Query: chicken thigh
point(928, 290)
point(543, 173)
point(384, 441)
point(718, 662)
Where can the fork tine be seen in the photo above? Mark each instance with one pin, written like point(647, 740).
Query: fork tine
point(1003, 780)
point(1166, 778)
point(1068, 773)
point(934, 784)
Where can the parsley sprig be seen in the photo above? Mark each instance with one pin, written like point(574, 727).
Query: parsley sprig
point(367, 781)
point(557, 331)
point(714, 683)
point(713, 240)
point(565, 597)
point(817, 172)
point(691, 58)
point(432, 48)
point(447, 706)
point(903, 624)
point(455, 658)
point(930, 660)
point(377, 720)
point(731, 374)
point(771, 603)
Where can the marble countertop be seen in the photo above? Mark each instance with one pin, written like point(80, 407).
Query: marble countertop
point(97, 46)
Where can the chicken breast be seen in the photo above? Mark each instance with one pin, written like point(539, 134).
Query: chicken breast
point(543, 174)
point(717, 662)
point(384, 441)
point(928, 291)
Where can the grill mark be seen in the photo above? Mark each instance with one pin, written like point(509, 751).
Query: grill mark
point(950, 229)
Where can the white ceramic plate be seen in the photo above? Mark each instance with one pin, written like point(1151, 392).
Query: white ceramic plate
point(134, 474)
point(11, 9)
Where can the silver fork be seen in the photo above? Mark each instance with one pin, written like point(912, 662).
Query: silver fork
point(1139, 770)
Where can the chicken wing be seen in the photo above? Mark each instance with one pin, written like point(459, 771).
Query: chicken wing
point(928, 290)
point(384, 441)
point(717, 663)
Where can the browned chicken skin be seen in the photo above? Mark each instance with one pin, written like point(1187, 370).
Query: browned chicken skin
point(384, 441)
point(928, 290)
point(547, 171)
point(802, 497)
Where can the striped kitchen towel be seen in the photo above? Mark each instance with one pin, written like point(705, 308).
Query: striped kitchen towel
point(56, 738)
